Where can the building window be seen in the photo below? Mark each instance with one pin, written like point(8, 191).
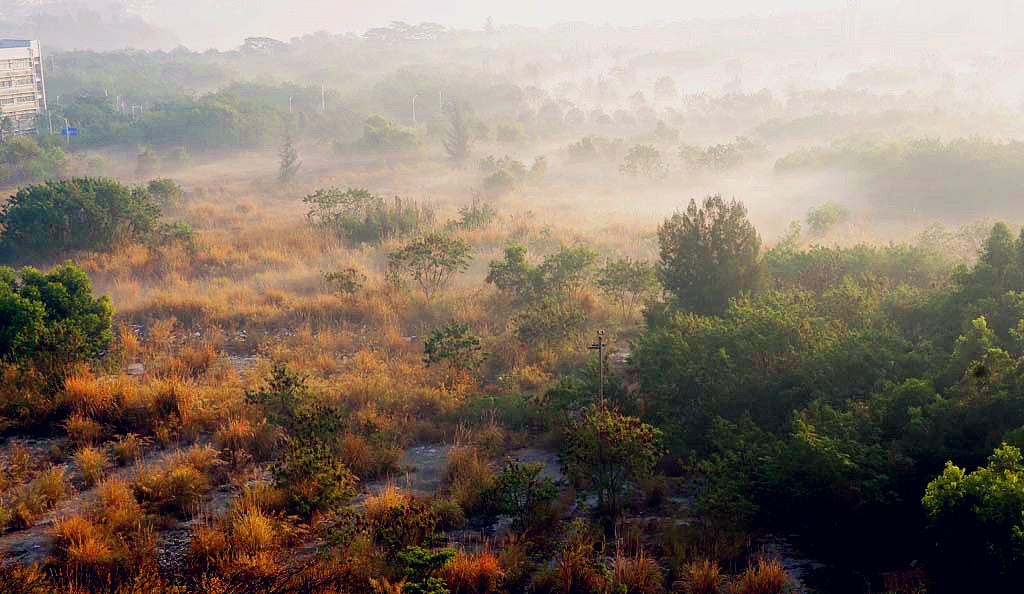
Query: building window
point(6, 100)
point(23, 81)
point(6, 83)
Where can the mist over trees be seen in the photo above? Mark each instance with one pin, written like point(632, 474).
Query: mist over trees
point(728, 306)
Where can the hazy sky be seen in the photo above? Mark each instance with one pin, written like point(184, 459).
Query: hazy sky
point(198, 22)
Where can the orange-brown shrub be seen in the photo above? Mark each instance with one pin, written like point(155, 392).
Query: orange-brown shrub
point(83, 430)
point(699, 577)
point(91, 462)
point(764, 577)
point(638, 574)
point(468, 573)
point(468, 475)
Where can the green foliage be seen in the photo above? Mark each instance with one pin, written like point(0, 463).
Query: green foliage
point(313, 479)
point(645, 161)
point(282, 397)
point(977, 521)
point(923, 175)
point(165, 192)
point(499, 183)
point(420, 568)
point(289, 164)
point(409, 524)
point(23, 159)
point(550, 322)
point(51, 320)
point(709, 255)
point(627, 282)
point(521, 493)
point(563, 273)
point(457, 142)
point(477, 215)
point(431, 261)
point(609, 453)
point(363, 217)
point(722, 157)
point(346, 281)
point(454, 347)
point(382, 135)
point(77, 214)
point(826, 217)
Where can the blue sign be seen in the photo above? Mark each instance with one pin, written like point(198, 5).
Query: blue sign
point(69, 131)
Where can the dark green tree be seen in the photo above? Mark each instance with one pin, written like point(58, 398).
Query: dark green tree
point(709, 255)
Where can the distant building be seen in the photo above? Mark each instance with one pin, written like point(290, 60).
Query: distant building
point(22, 91)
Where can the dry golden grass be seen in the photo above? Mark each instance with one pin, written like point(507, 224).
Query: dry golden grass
point(638, 574)
point(252, 532)
point(390, 497)
point(468, 475)
point(127, 449)
point(92, 463)
point(699, 577)
point(115, 506)
point(84, 395)
point(764, 577)
point(469, 573)
point(83, 430)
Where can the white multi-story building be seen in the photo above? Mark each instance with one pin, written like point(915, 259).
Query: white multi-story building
point(22, 91)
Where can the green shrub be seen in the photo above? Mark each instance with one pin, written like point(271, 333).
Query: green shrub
point(362, 217)
point(54, 218)
point(52, 320)
point(313, 479)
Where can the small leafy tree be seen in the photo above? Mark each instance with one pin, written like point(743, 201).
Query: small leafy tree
point(824, 218)
point(709, 255)
point(607, 452)
point(282, 397)
point(520, 492)
point(513, 275)
point(165, 192)
point(643, 160)
point(628, 282)
point(431, 261)
point(346, 281)
point(458, 142)
point(289, 160)
point(568, 270)
point(453, 347)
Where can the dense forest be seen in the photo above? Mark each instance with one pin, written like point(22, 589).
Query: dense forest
point(509, 310)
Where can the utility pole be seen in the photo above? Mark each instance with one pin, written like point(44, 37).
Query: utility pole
point(290, 103)
point(323, 100)
point(414, 98)
point(599, 347)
